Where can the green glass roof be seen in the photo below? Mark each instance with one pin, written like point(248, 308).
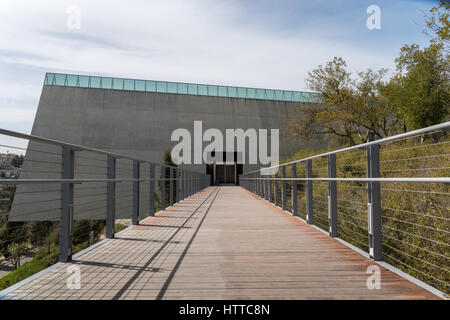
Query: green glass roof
point(82, 81)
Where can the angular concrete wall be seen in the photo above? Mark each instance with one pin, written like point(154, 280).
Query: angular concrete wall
point(140, 123)
point(134, 123)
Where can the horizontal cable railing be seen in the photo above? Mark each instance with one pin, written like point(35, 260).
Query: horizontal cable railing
point(59, 198)
point(389, 198)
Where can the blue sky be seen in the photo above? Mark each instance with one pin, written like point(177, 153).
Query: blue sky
point(268, 44)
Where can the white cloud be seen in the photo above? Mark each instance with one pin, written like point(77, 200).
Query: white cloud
point(12, 116)
point(197, 41)
point(14, 93)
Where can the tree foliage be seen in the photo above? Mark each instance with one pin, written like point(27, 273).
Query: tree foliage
point(16, 250)
point(168, 158)
point(438, 25)
point(352, 109)
point(420, 87)
point(17, 161)
point(358, 109)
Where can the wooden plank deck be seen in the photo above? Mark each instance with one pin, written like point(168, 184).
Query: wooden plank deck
point(222, 243)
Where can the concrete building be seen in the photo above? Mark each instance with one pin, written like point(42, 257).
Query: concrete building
point(137, 118)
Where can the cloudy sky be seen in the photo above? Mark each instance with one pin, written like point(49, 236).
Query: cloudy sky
point(267, 44)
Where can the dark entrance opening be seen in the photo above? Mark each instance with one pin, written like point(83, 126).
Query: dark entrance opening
point(223, 172)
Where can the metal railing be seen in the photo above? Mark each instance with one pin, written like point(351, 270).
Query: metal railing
point(358, 194)
point(65, 183)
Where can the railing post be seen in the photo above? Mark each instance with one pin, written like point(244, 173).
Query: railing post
point(253, 181)
point(294, 189)
point(163, 188)
point(266, 188)
point(257, 183)
point(190, 183)
point(181, 185)
point(309, 193)
point(332, 197)
point(270, 188)
point(276, 188)
point(283, 188)
point(261, 192)
point(136, 175)
point(374, 203)
point(110, 197)
point(177, 185)
point(186, 184)
point(196, 175)
point(184, 177)
point(66, 213)
point(261, 187)
point(171, 186)
point(152, 190)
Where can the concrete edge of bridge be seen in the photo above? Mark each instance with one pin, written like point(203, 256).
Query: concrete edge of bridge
point(383, 264)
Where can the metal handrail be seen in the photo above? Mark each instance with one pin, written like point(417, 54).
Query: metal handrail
point(432, 180)
point(438, 127)
point(176, 184)
point(324, 209)
point(80, 181)
point(73, 146)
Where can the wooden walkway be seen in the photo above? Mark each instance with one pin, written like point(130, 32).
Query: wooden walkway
point(222, 243)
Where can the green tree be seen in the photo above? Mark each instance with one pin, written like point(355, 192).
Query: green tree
point(16, 250)
point(421, 85)
point(355, 109)
point(438, 25)
point(17, 161)
point(168, 158)
point(420, 88)
point(168, 162)
point(3, 237)
point(352, 109)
